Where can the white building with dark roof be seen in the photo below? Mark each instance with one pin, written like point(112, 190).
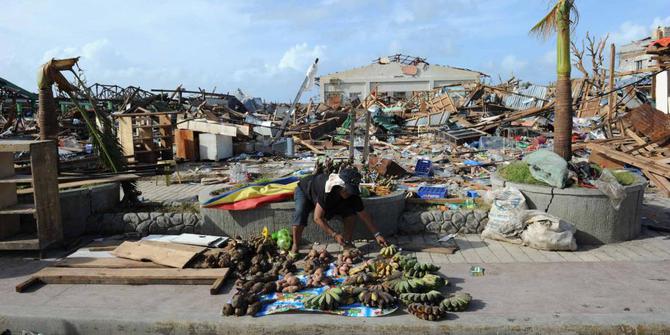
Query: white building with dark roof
point(396, 76)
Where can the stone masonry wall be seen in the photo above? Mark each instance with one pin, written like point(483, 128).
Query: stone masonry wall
point(444, 222)
point(144, 223)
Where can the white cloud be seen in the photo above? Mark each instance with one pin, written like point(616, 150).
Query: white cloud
point(660, 22)
point(300, 56)
point(628, 32)
point(511, 64)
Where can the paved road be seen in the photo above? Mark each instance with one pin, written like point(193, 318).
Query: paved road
point(587, 294)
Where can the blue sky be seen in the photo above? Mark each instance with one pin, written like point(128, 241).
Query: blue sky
point(265, 47)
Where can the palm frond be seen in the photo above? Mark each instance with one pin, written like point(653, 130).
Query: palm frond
point(105, 142)
point(548, 25)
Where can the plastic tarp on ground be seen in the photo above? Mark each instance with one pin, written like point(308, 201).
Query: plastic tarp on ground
point(284, 302)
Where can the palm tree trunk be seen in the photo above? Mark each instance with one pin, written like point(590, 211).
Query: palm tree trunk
point(563, 118)
point(47, 119)
point(563, 111)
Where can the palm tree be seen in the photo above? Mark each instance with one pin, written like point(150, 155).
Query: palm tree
point(558, 21)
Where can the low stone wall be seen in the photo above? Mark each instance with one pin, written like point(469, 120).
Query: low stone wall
point(465, 221)
point(144, 223)
point(385, 211)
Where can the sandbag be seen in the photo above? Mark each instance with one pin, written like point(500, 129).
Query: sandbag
point(505, 222)
point(548, 167)
point(548, 232)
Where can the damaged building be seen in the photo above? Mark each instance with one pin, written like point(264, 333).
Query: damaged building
point(397, 76)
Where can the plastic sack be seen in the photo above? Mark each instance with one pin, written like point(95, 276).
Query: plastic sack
point(548, 232)
point(548, 167)
point(505, 222)
point(608, 184)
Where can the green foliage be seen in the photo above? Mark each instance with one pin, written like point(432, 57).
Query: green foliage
point(519, 172)
point(624, 177)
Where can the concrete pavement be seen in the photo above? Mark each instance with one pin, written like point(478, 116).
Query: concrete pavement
point(543, 297)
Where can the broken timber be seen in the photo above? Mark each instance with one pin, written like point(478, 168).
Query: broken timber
point(134, 276)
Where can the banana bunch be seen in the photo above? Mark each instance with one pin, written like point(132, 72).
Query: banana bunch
point(456, 302)
point(407, 285)
point(425, 311)
point(405, 262)
point(421, 269)
point(328, 300)
point(385, 269)
point(430, 297)
point(359, 279)
point(389, 251)
point(384, 287)
point(433, 281)
point(367, 266)
point(374, 298)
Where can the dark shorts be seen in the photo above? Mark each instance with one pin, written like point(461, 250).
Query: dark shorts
point(303, 207)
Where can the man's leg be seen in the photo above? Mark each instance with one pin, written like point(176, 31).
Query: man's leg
point(297, 235)
point(349, 223)
point(300, 216)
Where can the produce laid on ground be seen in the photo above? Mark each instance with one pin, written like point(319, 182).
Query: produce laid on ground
point(331, 284)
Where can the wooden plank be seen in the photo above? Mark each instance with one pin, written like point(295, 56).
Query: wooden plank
point(216, 286)
point(44, 166)
point(105, 262)
point(169, 254)
point(10, 224)
point(125, 135)
point(307, 145)
point(18, 209)
point(79, 183)
point(640, 162)
point(15, 179)
point(17, 145)
point(166, 276)
point(20, 242)
point(660, 182)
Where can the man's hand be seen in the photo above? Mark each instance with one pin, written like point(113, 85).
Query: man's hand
point(340, 239)
point(381, 240)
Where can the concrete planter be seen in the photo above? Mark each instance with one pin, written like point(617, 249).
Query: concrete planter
point(589, 209)
point(385, 211)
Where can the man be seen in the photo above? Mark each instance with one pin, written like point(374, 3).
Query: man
point(331, 195)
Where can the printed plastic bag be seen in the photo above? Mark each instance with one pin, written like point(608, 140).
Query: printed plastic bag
point(608, 184)
point(505, 222)
point(548, 232)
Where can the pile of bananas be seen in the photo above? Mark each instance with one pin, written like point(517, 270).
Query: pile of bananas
point(405, 262)
point(359, 279)
point(430, 297)
point(421, 269)
point(456, 302)
point(388, 251)
point(426, 311)
point(374, 298)
point(367, 266)
point(380, 287)
point(433, 281)
point(407, 285)
point(384, 269)
point(328, 300)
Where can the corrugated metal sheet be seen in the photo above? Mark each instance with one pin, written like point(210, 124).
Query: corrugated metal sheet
point(527, 101)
